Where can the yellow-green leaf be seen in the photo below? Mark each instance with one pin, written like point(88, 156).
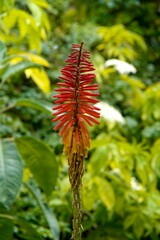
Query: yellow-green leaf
point(106, 192)
point(40, 77)
point(41, 3)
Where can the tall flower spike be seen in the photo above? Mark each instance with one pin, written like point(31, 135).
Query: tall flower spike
point(74, 108)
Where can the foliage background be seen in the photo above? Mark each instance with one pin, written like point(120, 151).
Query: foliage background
point(121, 186)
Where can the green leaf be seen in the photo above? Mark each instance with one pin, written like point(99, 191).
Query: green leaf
point(41, 3)
point(37, 104)
point(11, 170)
point(143, 169)
point(105, 192)
point(89, 193)
point(19, 67)
point(102, 140)
point(129, 220)
point(98, 160)
point(119, 42)
point(40, 161)
point(25, 229)
point(6, 228)
point(138, 228)
point(6, 5)
point(49, 215)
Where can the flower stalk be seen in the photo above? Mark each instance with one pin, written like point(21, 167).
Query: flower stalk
point(74, 108)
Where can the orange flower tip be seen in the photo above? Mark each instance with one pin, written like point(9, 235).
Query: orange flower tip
point(96, 108)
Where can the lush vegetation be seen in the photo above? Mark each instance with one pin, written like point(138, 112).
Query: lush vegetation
point(121, 186)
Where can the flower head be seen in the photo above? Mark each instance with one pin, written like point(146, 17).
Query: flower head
point(75, 98)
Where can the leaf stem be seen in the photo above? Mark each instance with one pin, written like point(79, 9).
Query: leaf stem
point(7, 108)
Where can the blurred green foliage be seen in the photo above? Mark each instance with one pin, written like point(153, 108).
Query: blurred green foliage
point(121, 186)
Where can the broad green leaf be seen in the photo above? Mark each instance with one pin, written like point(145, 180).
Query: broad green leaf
point(19, 67)
point(6, 228)
point(40, 160)
point(105, 192)
point(37, 104)
point(40, 77)
point(49, 215)
point(11, 170)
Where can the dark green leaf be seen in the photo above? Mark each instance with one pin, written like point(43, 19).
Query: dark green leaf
point(40, 161)
point(6, 228)
point(11, 170)
point(42, 106)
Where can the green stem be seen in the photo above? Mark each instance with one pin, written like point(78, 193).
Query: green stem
point(77, 214)
point(7, 108)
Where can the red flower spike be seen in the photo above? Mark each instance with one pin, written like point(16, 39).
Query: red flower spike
point(74, 108)
point(74, 101)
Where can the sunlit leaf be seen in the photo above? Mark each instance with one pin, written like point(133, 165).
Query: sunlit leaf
point(89, 193)
point(105, 192)
point(133, 82)
point(119, 42)
point(41, 3)
point(34, 58)
point(98, 160)
point(40, 77)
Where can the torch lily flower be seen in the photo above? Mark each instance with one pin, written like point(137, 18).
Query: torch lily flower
point(74, 102)
point(75, 99)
